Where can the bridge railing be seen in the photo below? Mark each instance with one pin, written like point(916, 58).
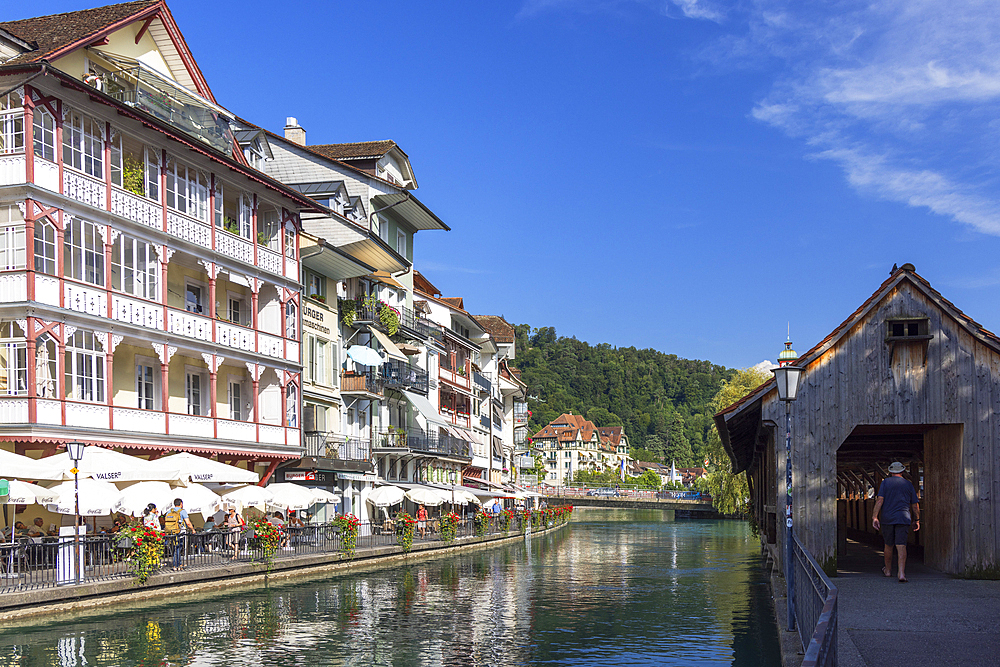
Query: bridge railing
point(624, 491)
point(815, 610)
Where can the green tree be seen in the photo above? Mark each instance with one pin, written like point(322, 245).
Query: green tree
point(649, 480)
point(540, 470)
point(602, 417)
point(730, 493)
point(640, 454)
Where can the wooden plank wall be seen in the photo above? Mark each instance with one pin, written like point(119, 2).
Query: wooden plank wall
point(854, 383)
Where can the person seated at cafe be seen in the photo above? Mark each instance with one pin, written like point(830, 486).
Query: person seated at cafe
point(20, 530)
point(277, 520)
point(294, 521)
point(209, 524)
point(38, 529)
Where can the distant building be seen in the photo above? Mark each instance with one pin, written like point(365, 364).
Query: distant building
point(572, 442)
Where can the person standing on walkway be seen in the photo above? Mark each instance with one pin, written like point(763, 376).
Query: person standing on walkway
point(422, 521)
point(900, 508)
point(177, 523)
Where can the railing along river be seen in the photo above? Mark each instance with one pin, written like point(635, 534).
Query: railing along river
point(32, 563)
point(815, 610)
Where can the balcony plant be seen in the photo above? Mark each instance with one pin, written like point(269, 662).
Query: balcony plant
point(231, 226)
point(348, 311)
point(133, 176)
point(449, 526)
point(147, 549)
point(348, 524)
point(318, 297)
point(405, 525)
point(263, 239)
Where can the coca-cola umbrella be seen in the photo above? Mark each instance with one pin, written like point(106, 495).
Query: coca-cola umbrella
point(196, 498)
point(203, 470)
point(108, 465)
point(288, 496)
point(23, 467)
point(97, 497)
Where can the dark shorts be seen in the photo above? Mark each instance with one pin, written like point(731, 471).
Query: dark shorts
point(895, 533)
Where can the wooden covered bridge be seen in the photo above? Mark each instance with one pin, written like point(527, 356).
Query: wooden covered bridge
point(907, 377)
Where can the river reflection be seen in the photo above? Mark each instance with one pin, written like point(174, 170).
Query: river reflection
point(617, 587)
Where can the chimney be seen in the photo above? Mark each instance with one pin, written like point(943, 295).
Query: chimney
point(294, 132)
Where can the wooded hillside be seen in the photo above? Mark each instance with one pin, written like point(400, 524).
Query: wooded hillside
point(663, 401)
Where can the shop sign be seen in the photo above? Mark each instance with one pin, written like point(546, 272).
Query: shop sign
point(356, 477)
point(307, 476)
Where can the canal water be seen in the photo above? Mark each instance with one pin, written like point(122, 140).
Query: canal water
point(617, 587)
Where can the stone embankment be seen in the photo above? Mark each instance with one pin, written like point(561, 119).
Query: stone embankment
point(171, 584)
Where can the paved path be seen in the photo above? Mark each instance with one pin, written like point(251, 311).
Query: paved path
point(932, 620)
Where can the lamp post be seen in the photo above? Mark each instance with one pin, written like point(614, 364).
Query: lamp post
point(75, 451)
point(453, 477)
point(787, 378)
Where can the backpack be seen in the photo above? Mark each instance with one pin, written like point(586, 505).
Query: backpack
point(172, 521)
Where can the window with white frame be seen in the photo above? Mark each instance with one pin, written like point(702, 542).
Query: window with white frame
point(147, 375)
point(233, 209)
point(46, 367)
point(196, 391)
point(292, 405)
point(84, 368)
point(83, 250)
point(134, 267)
point(45, 248)
point(187, 189)
point(316, 286)
point(13, 360)
point(268, 227)
point(11, 123)
point(83, 144)
point(236, 399)
point(317, 353)
point(290, 242)
point(237, 309)
point(44, 133)
point(291, 320)
point(134, 167)
point(401, 242)
point(194, 297)
point(12, 250)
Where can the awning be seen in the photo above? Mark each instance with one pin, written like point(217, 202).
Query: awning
point(384, 278)
point(460, 434)
point(408, 349)
point(389, 347)
point(425, 408)
point(480, 480)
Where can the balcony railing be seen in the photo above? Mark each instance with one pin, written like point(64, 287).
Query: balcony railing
point(400, 375)
point(369, 382)
point(319, 444)
point(409, 319)
point(482, 381)
point(432, 443)
point(395, 439)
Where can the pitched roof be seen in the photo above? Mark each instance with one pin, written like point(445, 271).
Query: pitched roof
point(454, 301)
point(501, 330)
point(55, 32)
point(359, 150)
point(904, 272)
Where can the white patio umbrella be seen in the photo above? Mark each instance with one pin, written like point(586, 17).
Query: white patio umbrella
point(324, 497)
point(365, 355)
point(463, 496)
point(386, 496)
point(201, 469)
point(288, 496)
point(134, 498)
point(97, 498)
point(198, 499)
point(111, 466)
point(23, 467)
point(247, 496)
point(426, 496)
point(23, 493)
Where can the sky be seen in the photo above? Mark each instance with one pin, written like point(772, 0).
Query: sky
point(694, 177)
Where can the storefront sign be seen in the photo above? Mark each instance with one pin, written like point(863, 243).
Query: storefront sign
point(318, 477)
point(356, 477)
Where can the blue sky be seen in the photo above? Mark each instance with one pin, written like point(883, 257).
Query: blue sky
point(684, 175)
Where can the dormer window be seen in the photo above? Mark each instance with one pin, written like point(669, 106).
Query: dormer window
point(915, 328)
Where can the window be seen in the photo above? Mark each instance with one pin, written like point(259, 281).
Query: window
point(238, 313)
point(236, 401)
point(11, 123)
point(193, 298)
point(134, 167)
point(194, 391)
point(12, 250)
point(45, 248)
point(233, 210)
point(187, 189)
point(290, 241)
point(292, 405)
point(13, 361)
point(134, 267)
point(44, 133)
point(317, 360)
point(904, 328)
point(46, 371)
point(401, 243)
point(291, 320)
point(146, 374)
point(84, 368)
point(316, 286)
point(268, 227)
point(84, 252)
point(83, 144)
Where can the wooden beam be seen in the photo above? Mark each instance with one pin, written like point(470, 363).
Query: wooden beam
point(144, 28)
point(267, 474)
point(103, 41)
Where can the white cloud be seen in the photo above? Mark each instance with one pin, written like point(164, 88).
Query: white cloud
point(697, 9)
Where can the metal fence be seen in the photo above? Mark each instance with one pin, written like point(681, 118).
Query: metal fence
point(815, 610)
point(33, 563)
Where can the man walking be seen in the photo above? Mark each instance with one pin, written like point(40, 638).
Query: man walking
point(898, 499)
point(175, 524)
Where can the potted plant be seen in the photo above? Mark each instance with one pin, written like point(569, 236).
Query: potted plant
point(318, 297)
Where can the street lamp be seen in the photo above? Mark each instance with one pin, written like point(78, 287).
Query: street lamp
point(453, 477)
point(75, 451)
point(788, 380)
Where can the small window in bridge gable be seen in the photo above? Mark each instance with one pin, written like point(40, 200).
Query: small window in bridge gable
point(907, 329)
